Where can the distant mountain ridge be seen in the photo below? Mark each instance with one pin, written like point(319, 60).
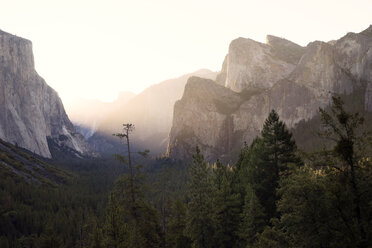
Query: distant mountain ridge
point(255, 78)
point(88, 115)
point(151, 111)
point(32, 114)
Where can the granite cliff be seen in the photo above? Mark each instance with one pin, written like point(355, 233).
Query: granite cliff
point(32, 114)
point(151, 111)
point(255, 78)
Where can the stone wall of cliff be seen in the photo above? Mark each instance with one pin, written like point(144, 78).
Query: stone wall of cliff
point(280, 75)
point(31, 111)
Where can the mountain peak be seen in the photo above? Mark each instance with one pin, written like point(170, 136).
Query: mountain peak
point(281, 75)
point(14, 37)
point(367, 32)
point(32, 112)
point(245, 43)
point(273, 41)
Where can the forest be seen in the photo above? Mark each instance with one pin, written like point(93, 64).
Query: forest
point(273, 195)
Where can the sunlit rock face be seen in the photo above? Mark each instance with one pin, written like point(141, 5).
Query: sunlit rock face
point(251, 64)
point(280, 75)
point(31, 111)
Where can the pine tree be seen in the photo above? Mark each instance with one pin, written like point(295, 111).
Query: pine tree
point(344, 129)
point(49, 237)
point(278, 152)
point(253, 218)
point(279, 145)
point(131, 220)
point(226, 206)
point(200, 225)
point(177, 225)
point(114, 224)
point(327, 203)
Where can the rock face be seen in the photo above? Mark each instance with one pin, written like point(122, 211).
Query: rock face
point(31, 111)
point(251, 64)
point(280, 75)
point(203, 117)
point(151, 111)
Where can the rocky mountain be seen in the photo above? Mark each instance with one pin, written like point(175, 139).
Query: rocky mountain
point(255, 78)
point(151, 111)
point(253, 64)
point(32, 114)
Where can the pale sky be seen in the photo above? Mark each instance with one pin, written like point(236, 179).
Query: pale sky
point(97, 48)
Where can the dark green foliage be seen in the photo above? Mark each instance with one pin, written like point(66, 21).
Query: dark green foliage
point(66, 209)
point(328, 202)
point(226, 206)
point(277, 154)
point(266, 199)
point(306, 207)
point(346, 131)
point(114, 225)
point(131, 223)
point(318, 209)
point(252, 218)
point(32, 169)
point(39, 216)
point(177, 225)
point(257, 173)
point(278, 143)
point(200, 226)
point(267, 160)
point(272, 237)
point(131, 220)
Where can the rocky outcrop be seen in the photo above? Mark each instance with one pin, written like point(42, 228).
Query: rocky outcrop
point(280, 75)
point(31, 111)
point(206, 115)
point(285, 50)
point(219, 120)
point(151, 111)
point(251, 64)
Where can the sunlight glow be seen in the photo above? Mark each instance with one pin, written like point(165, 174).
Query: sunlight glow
point(95, 49)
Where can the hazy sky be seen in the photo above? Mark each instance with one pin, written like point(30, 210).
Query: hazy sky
point(94, 49)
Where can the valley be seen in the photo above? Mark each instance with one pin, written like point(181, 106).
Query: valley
point(273, 150)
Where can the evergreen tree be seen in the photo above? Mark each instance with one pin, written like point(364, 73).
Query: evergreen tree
point(128, 223)
point(345, 130)
point(131, 221)
point(273, 237)
point(239, 173)
point(277, 151)
point(252, 219)
point(200, 226)
point(279, 145)
point(327, 203)
point(96, 237)
point(49, 238)
point(226, 207)
point(177, 225)
point(307, 210)
point(114, 225)
point(259, 169)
